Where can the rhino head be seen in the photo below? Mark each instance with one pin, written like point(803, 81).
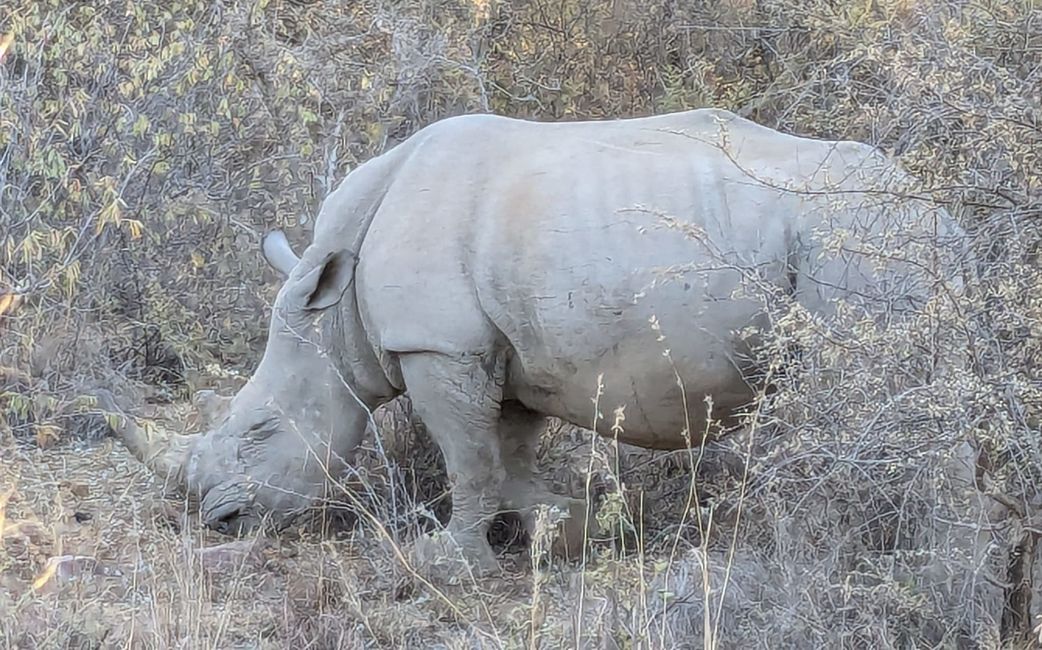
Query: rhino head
point(291, 429)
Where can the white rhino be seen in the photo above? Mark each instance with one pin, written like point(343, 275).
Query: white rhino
point(502, 271)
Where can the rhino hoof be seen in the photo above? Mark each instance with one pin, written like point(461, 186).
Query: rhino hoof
point(441, 557)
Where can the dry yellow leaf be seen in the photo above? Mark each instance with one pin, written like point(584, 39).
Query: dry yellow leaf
point(5, 44)
point(46, 435)
point(8, 302)
point(46, 575)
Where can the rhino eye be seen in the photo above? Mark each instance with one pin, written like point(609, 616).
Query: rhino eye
point(263, 429)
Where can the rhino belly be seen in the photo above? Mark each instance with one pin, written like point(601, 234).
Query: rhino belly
point(620, 371)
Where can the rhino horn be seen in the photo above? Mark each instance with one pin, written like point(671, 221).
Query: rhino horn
point(278, 253)
point(166, 457)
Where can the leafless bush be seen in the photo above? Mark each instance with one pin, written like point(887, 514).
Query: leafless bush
point(143, 151)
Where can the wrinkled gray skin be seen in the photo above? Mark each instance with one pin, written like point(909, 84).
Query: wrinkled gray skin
point(497, 268)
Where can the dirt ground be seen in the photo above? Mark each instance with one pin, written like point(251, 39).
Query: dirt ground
point(97, 554)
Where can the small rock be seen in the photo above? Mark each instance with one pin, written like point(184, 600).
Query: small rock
point(81, 490)
point(66, 568)
point(232, 555)
point(29, 530)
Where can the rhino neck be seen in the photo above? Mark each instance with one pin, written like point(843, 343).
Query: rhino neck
point(355, 357)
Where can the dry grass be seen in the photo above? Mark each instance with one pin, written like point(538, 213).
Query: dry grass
point(303, 590)
point(147, 586)
point(650, 582)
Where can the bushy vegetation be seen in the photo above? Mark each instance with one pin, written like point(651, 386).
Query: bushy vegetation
point(146, 146)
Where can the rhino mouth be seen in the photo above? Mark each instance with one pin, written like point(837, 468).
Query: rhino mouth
point(229, 501)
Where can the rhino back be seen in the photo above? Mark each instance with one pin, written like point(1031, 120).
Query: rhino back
point(550, 239)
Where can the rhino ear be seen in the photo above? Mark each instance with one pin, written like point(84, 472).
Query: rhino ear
point(324, 285)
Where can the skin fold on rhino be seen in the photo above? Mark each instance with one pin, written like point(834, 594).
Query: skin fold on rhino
point(503, 271)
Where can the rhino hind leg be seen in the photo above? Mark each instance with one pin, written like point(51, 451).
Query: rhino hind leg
point(524, 490)
point(458, 401)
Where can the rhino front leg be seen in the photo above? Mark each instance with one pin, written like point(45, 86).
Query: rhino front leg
point(458, 400)
point(525, 490)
